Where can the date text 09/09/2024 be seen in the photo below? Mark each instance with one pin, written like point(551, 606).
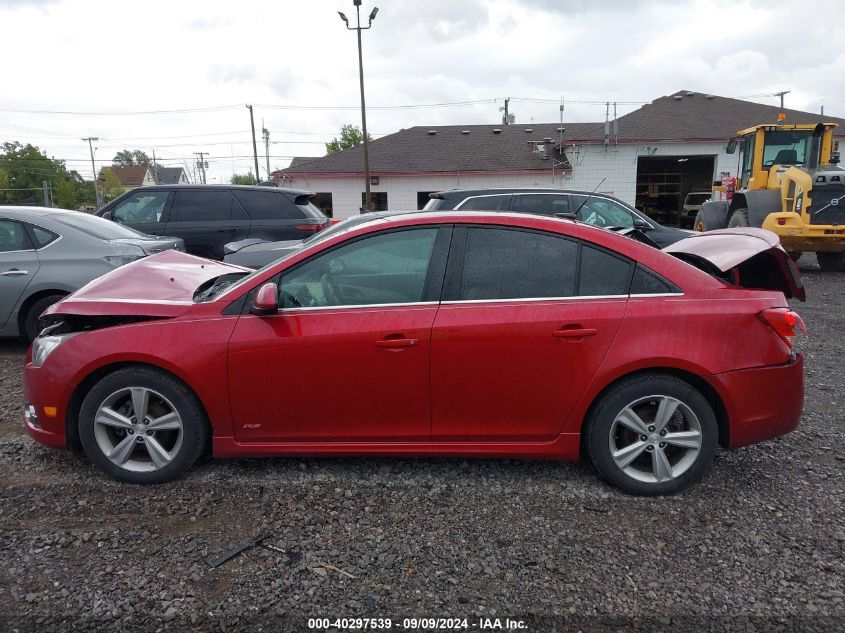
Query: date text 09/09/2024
point(414, 624)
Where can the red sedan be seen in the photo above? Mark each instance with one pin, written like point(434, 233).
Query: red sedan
point(462, 334)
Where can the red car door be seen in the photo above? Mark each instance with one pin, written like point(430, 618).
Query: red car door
point(521, 331)
point(346, 358)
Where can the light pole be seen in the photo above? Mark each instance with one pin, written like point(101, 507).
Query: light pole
point(368, 202)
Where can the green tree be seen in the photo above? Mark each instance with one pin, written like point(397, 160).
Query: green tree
point(242, 179)
point(350, 136)
point(109, 184)
point(129, 158)
point(25, 168)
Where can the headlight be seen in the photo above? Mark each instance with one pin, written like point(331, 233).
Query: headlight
point(42, 347)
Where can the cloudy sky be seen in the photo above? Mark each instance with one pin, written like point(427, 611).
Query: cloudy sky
point(118, 70)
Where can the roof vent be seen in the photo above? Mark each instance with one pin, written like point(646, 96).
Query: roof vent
point(497, 130)
point(711, 97)
point(464, 131)
point(432, 132)
point(690, 94)
point(528, 130)
point(678, 97)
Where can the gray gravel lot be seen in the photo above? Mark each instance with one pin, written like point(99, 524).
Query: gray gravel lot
point(758, 546)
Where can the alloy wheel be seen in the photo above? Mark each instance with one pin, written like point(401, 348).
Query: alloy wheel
point(138, 429)
point(655, 439)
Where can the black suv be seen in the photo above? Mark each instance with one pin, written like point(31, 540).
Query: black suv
point(208, 216)
point(596, 209)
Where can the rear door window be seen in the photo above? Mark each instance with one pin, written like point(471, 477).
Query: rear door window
point(540, 203)
point(267, 205)
point(204, 206)
point(13, 237)
point(603, 274)
point(499, 202)
point(512, 264)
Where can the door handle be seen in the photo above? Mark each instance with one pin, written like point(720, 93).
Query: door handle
point(575, 332)
point(14, 273)
point(397, 343)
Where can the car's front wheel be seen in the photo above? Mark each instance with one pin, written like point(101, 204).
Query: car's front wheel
point(652, 434)
point(142, 425)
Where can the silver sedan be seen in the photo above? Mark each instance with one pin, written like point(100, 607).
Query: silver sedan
point(45, 254)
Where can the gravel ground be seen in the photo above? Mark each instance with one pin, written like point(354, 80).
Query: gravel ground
point(758, 546)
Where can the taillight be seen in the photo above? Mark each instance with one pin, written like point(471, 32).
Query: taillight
point(313, 228)
point(783, 321)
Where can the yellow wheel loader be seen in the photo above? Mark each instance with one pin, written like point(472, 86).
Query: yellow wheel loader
point(791, 184)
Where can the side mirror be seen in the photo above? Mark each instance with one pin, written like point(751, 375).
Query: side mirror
point(107, 215)
point(642, 225)
point(731, 148)
point(266, 300)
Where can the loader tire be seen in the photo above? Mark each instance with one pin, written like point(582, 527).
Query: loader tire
point(831, 262)
point(739, 219)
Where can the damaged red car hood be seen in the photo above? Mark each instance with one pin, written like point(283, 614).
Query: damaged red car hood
point(753, 256)
point(161, 285)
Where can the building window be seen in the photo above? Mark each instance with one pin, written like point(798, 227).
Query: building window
point(423, 198)
point(379, 200)
point(323, 201)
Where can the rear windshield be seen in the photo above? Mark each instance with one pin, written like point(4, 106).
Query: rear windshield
point(98, 227)
point(309, 209)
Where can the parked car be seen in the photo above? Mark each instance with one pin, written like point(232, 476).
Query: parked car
point(462, 334)
point(255, 253)
point(46, 254)
point(692, 205)
point(207, 217)
point(597, 209)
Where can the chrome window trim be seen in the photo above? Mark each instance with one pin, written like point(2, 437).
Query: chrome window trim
point(572, 298)
point(359, 305)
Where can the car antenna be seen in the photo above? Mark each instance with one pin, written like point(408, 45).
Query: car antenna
point(590, 196)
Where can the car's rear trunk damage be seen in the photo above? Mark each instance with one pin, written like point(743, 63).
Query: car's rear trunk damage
point(744, 257)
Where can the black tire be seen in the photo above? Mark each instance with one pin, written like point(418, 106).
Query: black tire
point(831, 262)
point(795, 255)
point(643, 392)
point(185, 451)
point(739, 219)
point(30, 319)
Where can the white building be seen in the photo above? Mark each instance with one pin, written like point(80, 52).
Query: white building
point(651, 157)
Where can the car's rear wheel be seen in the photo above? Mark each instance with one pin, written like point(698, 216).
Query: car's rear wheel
point(652, 434)
point(143, 426)
point(33, 312)
point(831, 262)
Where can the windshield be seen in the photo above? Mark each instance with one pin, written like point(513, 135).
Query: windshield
point(98, 227)
point(786, 148)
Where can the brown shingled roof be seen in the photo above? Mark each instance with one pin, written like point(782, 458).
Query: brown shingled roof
point(452, 148)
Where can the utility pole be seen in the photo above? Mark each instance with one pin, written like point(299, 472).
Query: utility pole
point(266, 133)
point(368, 200)
point(97, 191)
point(506, 117)
point(45, 186)
point(780, 94)
point(254, 147)
point(155, 168)
point(201, 163)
